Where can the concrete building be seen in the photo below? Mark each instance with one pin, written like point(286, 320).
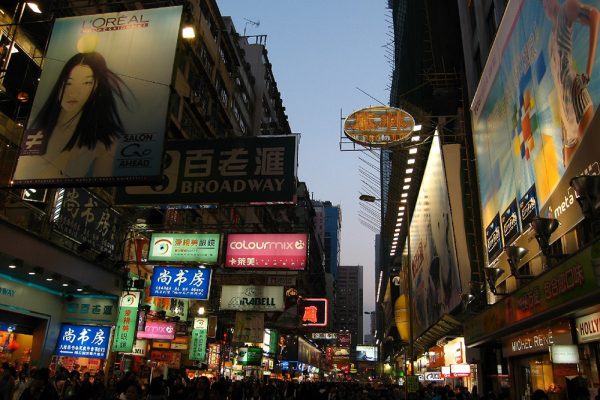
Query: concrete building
point(349, 301)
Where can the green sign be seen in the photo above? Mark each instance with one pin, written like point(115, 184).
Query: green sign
point(194, 247)
point(198, 342)
point(250, 355)
point(127, 322)
point(273, 341)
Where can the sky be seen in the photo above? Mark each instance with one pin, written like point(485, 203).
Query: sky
point(321, 52)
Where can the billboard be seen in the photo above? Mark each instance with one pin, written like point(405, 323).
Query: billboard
point(533, 113)
point(232, 170)
point(157, 330)
point(436, 280)
point(379, 126)
point(83, 341)
point(250, 356)
point(264, 250)
point(249, 327)
point(313, 312)
point(99, 114)
point(193, 247)
point(252, 298)
point(366, 353)
point(180, 282)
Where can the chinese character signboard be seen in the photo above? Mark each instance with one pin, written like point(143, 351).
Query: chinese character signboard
point(127, 321)
point(176, 282)
point(87, 219)
point(214, 355)
point(195, 247)
point(114, 132)
point(232, 170)
point(261, 250)
point(90, 310)
point(250, 355)
point(83, 341)
point(198, 342)
point(379, 126)
point(252, 298)
point(313, 312)
point(157, 330)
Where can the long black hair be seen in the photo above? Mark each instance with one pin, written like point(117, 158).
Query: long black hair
point(100, 120)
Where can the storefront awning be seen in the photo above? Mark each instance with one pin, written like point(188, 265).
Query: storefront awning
point(445, 326)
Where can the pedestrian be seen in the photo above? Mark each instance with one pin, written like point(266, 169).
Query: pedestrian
point(7, 382)
point(39, 387)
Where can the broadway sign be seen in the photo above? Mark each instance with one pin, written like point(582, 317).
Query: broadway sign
point(240, 170)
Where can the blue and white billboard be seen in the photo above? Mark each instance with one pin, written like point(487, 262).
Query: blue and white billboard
point(83, 341)
point(181, 282)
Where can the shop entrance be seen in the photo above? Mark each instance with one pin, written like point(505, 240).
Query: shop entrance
point(533, 373)
point(22, 337)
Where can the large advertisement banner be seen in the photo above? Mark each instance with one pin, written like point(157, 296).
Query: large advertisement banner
point(264, 250)
point(252, 298)
point(436, 280)
point(534, 108)
point(99, 114)
point(232, 170)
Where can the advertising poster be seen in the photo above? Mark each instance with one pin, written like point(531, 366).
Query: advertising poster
point(366, 353)
point(89, 341)
point(436, 281)
point(266, 250)
point(534, 119)
point(99, 114)
point(510, 223)
point(193, 247)
point(176, 282)
point(250, 356)
point(249, 327)
point(198, 342)
point(126, 322)
point(252, 298)
point(233, 170)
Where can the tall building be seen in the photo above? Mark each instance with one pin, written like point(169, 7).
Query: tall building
point(333, 226)
point(349, 301)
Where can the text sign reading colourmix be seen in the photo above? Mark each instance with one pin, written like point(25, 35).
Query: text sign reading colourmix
point(176, 282)
point(196, 247)
point(83, 341)
point(262, 250)
point(157, 330)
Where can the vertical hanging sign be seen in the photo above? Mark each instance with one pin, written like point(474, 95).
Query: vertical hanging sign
point(125, 330)
point(198, 344)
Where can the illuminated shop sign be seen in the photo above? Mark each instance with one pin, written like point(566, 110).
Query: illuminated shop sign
point(588, 328)
point(193, 247)
point(252, 298)
point(313, 312)
point(198, 343)
point(157, 330)
point(379, 126)
point(180, 282)
point(127, 321)
point(83, 341)
point(262, 250)
point(250, 356)
point(324, 335)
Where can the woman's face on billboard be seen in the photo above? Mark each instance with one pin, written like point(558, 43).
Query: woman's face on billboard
point(78, 88)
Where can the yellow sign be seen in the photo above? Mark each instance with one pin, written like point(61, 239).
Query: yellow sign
point(161, 345)
point(379, 126)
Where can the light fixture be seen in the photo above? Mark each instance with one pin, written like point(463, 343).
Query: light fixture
point(514, 255)
point(417, 128)
point(410, 161)
point(401, 208)
point(188, 32)
point(201, 310)
point(409, 170)
point(588, 194)
point(31, 273)
point(413, 150)
point(80, 289)
point(404, 195)
point(407, 180)
point(34, 7)
point(15, 263)
point(415, 138)
point(543, 228)
point(65, 284)
point(492, 274)
point(405, 187)
point(467, 299)
point(49, 279)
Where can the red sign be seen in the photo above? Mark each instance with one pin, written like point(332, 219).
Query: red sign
point(158, 330)
point(313, 312)
point(214, 355)
point(278, 250)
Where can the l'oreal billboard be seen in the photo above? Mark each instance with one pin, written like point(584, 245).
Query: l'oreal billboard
point(263, 250)
point(99, 114)
point(252, 298)
point(436, 279)
point(533, 113)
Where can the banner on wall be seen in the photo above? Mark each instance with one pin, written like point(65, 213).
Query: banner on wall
point(126, 322)
point(99, 114)
point(198, 342)
point(535, 110)
point(437, 285)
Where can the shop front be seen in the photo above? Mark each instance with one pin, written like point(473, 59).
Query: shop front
point(588, 339)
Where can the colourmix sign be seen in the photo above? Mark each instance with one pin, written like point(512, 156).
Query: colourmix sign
point(258, 250)
point(252, 298)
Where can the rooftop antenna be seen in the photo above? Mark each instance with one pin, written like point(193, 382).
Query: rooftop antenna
point(255, 23)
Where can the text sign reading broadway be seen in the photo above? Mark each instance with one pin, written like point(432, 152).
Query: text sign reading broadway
point(242, 170)
point(252, 298)
point(196, 247)
point(176, 282)
point(83, 341)
point(280, 250)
